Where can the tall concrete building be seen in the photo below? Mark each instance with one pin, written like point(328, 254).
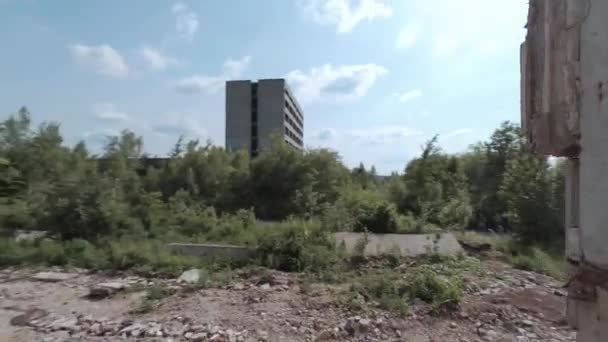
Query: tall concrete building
point(257, 110)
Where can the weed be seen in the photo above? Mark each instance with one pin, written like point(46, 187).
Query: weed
point(152, 298)
point(358, 253)
point(537, 260)
point(427, 284)
point(393, 255)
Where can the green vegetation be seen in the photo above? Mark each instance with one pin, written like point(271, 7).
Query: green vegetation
point(116, 210)
point(435, 280)
point(152, 298)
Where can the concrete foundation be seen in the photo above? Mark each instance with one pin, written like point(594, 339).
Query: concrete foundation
point(408, 245)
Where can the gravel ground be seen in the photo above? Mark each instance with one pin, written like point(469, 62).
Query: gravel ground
point(506, 305)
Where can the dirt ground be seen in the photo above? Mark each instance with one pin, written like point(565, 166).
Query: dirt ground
point(511, 305)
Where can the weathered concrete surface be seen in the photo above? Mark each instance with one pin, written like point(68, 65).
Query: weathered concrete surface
point(408, 244)
point(235, 253)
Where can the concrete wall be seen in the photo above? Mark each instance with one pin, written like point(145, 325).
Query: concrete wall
point(238, 115)
point(408, 244)
point(271, 104)
point(594, 128)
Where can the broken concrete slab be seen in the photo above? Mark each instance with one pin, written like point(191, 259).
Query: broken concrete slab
point(53, 277)
point(408, 244)
point(222, 252)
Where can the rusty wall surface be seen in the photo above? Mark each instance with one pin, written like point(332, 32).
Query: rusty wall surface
point(550, 76)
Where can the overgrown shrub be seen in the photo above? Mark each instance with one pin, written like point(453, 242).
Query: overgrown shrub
point(426, 284)
point(537, 260)
point(379, 288)
point(370, 212)
point(298, 246)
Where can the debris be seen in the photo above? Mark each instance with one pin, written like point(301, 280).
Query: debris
point(103, 290)
point(474, 246)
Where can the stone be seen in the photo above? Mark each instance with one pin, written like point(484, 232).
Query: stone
point(190, 276)
point(262, 334)
point(490, 334)
point(103, 290)
point(527, 323)
point(559, 293)
point(453, 325)
point(365, 322)
point(28, 317)
point(66, 323)
point(326, 335)
point(265, 286)
point(188, 335)
point(53, 277)
point(217, 338)
point(95, 329)
point(238, 286)
point(133, 330)
point(198, 337)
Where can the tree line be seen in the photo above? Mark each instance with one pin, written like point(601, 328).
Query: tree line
point(498, 185)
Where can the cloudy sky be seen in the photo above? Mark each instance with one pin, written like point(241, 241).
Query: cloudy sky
point(375, 78)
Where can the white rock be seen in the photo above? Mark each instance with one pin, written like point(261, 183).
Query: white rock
point(198, 337)
point(191, 276)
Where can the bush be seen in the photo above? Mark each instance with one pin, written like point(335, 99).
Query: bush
point(82, 253)
point(369, 211)
point(379, 288)
point(426, 284)
point(298, 246)
point(147, 255)
point(536, 260)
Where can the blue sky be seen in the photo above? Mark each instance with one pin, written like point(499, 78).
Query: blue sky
point(375, 78)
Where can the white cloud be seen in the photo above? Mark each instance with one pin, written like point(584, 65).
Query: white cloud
point(325, 134)
point(384, 134)
point(157, 60)
point(345, 14)
point(408, 95)
point(345, 82)
point(234, 68)
point(455, 133)
point(212, 84)
point(102, 58)
point(490, 27)
point(108, 112)
point(407, 37)
point(176, 124)
point(186, 21)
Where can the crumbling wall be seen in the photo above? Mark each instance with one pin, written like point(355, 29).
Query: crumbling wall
point(564, 73)
point(550, 76)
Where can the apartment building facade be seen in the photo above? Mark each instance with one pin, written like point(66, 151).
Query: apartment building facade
point(257, 110)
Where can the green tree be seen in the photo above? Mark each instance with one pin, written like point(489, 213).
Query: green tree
point(527, 191)
point(435, 188)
